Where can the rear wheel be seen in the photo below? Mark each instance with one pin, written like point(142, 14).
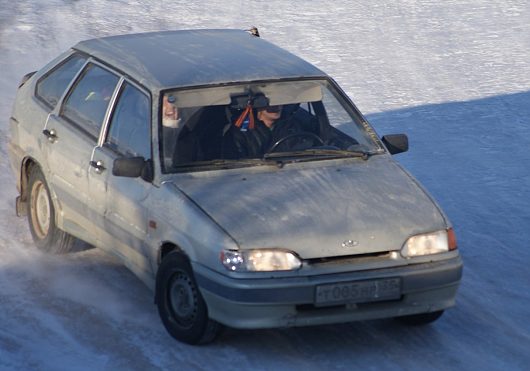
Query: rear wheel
point(41, 217)
point(421, 319)
point(180, 304)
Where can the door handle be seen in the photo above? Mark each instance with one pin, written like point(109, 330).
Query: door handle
point(98, 166)
point(50, 134)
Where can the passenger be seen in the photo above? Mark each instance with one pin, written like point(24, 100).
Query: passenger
point(170, 115)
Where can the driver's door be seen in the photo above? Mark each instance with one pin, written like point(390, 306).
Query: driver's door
point(125, 214)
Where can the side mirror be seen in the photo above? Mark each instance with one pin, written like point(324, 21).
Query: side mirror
point(133, 167)
point(396, 143)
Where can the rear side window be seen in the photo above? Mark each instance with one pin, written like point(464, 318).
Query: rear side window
point(87, 102)
point(130, 125)
point(51, 87)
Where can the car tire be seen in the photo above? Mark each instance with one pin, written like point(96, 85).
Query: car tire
point(420, 319)
point(180, 304)
point(41, 217)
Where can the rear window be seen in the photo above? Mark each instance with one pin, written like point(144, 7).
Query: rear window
point(51, 87)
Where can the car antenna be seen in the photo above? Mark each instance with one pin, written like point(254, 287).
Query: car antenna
point(254, 31)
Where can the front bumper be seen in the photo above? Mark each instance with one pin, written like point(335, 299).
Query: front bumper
point(289, 301)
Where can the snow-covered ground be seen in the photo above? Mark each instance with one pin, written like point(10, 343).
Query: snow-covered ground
point(454, 75)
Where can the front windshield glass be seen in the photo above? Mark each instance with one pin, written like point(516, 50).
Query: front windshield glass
point(242, 124)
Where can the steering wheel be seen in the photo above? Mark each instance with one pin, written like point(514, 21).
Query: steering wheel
point(302, 134)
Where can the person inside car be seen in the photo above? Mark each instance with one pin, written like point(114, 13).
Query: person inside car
point(254, 138)
point(170, 116)
point(269, 115)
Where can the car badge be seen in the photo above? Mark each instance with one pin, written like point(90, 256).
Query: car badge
point(350, 243)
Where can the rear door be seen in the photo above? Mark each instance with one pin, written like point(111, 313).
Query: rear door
point(72, 133)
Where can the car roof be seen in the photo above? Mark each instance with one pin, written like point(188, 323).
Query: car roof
point(173, 59)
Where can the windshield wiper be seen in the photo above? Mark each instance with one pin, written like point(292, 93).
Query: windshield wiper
point(278, 158)
point(219, 164)
point(318, 153)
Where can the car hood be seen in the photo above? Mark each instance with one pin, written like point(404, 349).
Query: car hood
point(317, 209)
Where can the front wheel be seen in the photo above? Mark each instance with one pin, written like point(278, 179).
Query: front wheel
point(420, 319)
point(180, 304)
point(41, 217)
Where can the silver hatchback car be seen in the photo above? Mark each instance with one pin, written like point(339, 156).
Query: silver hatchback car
point(235, 179)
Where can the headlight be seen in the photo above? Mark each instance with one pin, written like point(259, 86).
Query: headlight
point(261, 260)
point(429, 243)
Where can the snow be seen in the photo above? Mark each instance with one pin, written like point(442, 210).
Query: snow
point(453, 75)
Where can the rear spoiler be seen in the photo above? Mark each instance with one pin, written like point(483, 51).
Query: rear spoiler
point(25, 78)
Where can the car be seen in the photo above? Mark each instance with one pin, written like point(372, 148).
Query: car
point(235, 179)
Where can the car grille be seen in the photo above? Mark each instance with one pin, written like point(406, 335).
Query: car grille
point(350, 259)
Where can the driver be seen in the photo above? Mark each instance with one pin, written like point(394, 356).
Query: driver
point(269, 115)
point(269, 127)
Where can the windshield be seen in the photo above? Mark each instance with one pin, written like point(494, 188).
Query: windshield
point(230, 125)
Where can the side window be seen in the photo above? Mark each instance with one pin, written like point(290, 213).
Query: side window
point(345, 122)
point(87, 102)
point(130, 125)
point(337, 116)
point(51, 87)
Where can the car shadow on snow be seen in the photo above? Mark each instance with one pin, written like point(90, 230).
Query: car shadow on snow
point(465, 151)
point(473, 158)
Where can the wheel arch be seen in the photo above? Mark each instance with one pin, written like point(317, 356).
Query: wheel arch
point(27, 164)
point(23, 184)
point(168, 247)
point(165, 249)
point(25, 168)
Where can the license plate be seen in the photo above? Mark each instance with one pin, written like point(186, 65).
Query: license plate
point(358, 292)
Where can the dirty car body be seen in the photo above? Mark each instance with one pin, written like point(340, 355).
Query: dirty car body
point(139, 145)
